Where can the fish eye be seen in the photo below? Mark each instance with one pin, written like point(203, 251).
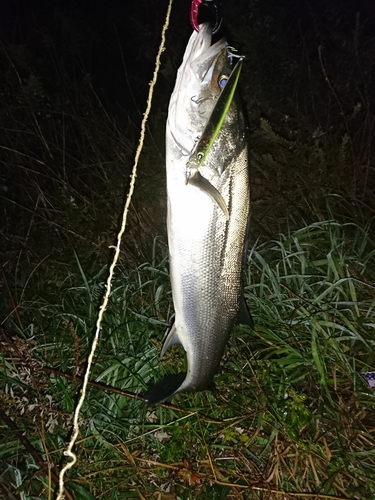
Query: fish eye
point(199, 156)
point(223, 81)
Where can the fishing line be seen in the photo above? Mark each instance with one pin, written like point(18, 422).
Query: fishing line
point(68, 452)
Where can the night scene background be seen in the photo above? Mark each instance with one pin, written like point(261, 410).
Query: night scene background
point(292, 412)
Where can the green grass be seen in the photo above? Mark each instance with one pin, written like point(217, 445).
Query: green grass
point(290, 412)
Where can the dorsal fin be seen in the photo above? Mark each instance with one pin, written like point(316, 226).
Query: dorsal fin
point(243, 316)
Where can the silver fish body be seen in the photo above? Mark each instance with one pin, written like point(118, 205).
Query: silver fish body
point(206, 245)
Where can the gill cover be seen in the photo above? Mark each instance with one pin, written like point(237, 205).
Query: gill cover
point(209, 135)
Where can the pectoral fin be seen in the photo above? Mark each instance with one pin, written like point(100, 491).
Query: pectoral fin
point(197, 180)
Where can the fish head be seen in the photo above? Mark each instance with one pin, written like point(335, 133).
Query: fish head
point(200, 80)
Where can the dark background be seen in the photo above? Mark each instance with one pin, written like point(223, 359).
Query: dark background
point(115, 42)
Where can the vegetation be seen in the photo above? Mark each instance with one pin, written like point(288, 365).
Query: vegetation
point(292, 415)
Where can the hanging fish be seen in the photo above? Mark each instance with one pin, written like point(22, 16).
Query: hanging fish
point(208, 210)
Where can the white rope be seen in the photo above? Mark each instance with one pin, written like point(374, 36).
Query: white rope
point(68, 452)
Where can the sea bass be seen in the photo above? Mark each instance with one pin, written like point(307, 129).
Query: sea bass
point(208, 210)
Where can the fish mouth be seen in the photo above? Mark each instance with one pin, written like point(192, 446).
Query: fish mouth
point(204, 55)
point(193, 97)
point(199, 50)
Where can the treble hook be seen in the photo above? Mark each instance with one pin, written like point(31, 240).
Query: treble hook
point(215, 8)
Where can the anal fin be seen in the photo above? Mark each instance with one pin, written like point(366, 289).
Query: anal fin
point(171, 339)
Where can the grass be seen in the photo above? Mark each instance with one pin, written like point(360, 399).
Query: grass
point(291, 411)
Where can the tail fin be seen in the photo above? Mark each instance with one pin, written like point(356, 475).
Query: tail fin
point(164, 389)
